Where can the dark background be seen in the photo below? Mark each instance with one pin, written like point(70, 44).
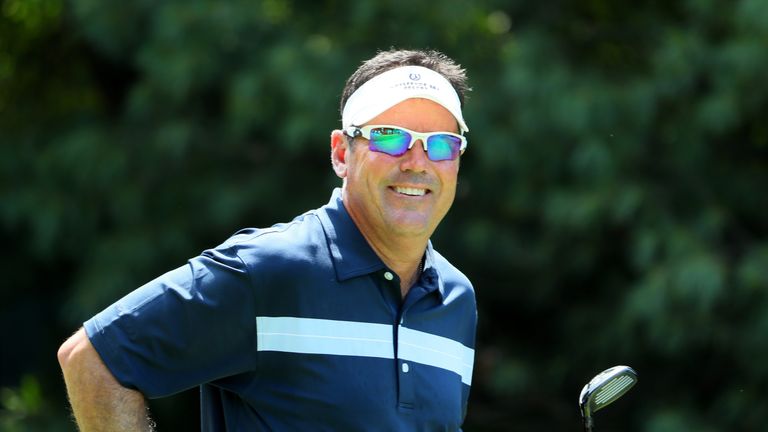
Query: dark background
point(611, 206)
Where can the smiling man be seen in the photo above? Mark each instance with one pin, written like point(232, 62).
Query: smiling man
point(346, 318)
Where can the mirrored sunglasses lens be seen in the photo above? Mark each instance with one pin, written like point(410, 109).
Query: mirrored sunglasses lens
point(443, 147)
point(390, 141)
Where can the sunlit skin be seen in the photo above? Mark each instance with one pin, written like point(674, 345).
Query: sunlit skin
point(395, 224)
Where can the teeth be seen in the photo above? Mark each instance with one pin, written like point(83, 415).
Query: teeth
point(410, 191)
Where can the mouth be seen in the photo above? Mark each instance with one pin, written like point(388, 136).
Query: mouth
point(410, 191)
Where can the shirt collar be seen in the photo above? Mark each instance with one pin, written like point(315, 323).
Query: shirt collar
point(351, 253)
point(430, 275)
point(352, 256)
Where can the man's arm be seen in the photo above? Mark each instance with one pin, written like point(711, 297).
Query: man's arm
point(99, 402)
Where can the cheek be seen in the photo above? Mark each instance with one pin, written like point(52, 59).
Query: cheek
point(449, 180)
point(361, 168)
point(374, 166)
point(449, 175)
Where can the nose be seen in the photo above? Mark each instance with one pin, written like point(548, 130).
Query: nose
point(415, 159)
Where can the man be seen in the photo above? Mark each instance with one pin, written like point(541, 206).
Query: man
point(345, 318)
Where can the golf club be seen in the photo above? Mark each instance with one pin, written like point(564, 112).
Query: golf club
point(603, 390)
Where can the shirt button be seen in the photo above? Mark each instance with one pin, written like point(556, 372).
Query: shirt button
point(388, 276)
point(406, 368)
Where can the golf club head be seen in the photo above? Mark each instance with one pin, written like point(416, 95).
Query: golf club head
point(604, 389)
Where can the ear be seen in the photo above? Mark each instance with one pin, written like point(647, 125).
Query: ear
point(339, 147)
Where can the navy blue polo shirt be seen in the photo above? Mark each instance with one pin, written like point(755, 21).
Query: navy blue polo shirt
point(299, 326)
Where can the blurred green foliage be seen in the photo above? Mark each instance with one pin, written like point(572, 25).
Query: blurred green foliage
point(25, 409)
point(609, 207)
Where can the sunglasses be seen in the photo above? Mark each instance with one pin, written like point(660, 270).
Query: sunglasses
point(395, 141)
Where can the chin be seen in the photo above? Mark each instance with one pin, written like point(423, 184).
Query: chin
point(411, 228)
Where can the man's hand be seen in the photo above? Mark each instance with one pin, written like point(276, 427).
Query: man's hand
point(99, 402)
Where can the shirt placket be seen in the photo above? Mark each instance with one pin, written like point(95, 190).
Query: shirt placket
point(406, 379)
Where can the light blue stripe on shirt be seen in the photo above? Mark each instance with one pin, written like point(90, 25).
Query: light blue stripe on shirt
point(437, 351)
point(351, 338)
point(321, 336)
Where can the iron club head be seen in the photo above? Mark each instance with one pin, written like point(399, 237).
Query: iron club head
point(603, 390)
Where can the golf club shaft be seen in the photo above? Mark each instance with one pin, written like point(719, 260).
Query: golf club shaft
point(588, 424)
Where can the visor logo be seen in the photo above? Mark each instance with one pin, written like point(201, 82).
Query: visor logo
point(414, 77)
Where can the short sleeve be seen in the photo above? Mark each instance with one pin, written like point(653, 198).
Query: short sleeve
point(192, 325)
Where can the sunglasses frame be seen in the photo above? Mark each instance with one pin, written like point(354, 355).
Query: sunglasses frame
point(365, 132)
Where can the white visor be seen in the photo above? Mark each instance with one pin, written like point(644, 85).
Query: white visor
point(388, 89)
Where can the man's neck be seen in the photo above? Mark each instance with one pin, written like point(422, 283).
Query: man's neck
point(405, 259)
point(401, 252)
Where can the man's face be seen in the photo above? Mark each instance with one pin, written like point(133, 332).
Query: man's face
point(402, 196)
